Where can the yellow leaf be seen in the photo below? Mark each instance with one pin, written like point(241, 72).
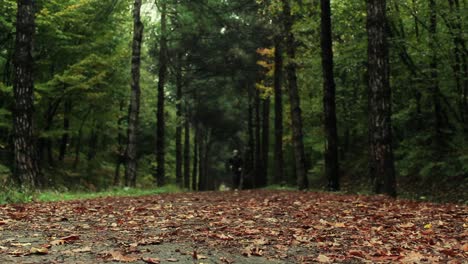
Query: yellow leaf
point(39, 251)
point(428, 226)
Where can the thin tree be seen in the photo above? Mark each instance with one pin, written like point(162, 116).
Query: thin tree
point(134, 109)
point(294, 100)
point(179, 125)
point(278, 92)
point(186, 149)
point(26, 168)
point(329, 105)
point(160, 130)
point(381, 163)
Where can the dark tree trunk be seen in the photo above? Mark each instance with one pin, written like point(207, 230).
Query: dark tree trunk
point(26, 168)
point(66, 127)
point(134, 108)
point(187, 151)
point(195, 158)
point(294, 100)
point(434, 82)
point(120, 155)
point(179, 180)
point(329, 105)
point(381, 164)
point(201, 160)
point(278, 82)
point(160, 137)
point(263, 181)
point(249, 166)
point(258, 152)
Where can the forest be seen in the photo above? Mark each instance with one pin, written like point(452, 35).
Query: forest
point(367, 97)
point(233, 131)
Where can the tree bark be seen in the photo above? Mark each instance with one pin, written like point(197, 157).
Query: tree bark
point(329, 105)
point(195, 158)
point(134, 108)
point(278, 82)
point(26, 168)
point(179, 125)
point(160, 130)
point(381, 163)
point(120, 155)
point(294, 100)
point(186, 151)
point(258, 152)
point(265, 142)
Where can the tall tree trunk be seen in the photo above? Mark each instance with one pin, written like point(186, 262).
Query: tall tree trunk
point(434, 82)
point(66, 127)
point(265, 142)
point(381, 161)
point(26, 168)
point(249, 165)
point(120, 155)
point(134, 108)
point(294, 100)
point(201, 160)
point(278, 82)
point(258, 151)
point(160, 137)
point(195, 158)
point(179, 180)
point(329, 105)
point(187, 151)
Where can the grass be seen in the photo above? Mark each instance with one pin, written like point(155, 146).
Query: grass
point(10, 195)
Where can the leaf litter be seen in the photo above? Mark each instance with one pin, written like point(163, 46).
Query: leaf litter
point(237, 227)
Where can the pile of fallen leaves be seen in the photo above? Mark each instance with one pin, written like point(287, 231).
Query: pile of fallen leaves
point(282, 226)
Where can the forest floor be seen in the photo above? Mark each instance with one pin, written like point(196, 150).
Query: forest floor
point(235, 227)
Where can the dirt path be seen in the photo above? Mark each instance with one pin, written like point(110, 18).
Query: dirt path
point(235, 227)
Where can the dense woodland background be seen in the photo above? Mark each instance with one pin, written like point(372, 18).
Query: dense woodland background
point(219, 75)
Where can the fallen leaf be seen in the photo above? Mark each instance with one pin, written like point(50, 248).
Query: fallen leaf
point(323, 259)
point(118, 256)
point(226, 260)
point(39, 251)
point(172, 260)
point(340, 225)
point(428, 226)
point(407, 225)
point(465, 247)
point(151, 260)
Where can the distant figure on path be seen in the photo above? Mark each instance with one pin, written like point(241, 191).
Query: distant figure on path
point(235, 165)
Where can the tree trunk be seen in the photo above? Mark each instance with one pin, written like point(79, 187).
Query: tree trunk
point(294, 100)
point(26, 168)
point(66, 127)
point(278, 81)
point(258, 151)
point(187, 151)
point(201, 160)
point(195, 158)
point(179, 122)
point(265, 142)
point(329, 105)
point(134, 108)
point(120, 155)
point(381, 164)
point(160, 137)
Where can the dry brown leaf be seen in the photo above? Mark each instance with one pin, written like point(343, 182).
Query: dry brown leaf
point(39, 251)
point(323, 259)
point(151, 260)
point(172, 260)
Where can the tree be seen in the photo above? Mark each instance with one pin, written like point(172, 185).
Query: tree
point(381, 164)
point(294, 99)
point(161, 124)
point(134, 109)
point(331, 134)
point(26, 167)
point(278, 93)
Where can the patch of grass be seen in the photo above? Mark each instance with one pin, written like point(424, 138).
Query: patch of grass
point(276, 187)
point(11, 195)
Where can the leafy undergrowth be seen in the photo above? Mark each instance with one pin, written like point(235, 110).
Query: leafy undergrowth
point(235, 227)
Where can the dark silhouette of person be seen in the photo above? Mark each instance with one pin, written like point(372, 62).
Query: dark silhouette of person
point(235, 165)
